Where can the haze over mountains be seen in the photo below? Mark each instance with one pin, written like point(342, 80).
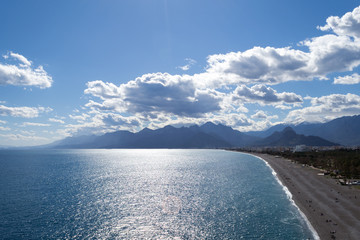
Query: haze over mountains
point(344, 131)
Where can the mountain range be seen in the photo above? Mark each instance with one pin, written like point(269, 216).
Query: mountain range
point(208, 135)
point(344, 131)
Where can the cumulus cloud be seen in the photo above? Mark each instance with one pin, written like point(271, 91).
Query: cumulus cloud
point(259, 114)
point(25, 112)
point(326, 108)
point(23, 73)
point(335, 52)
point(257, 65)
point(264, 95)
point(332, 53)
point(103, 122)
point(103, 90)
point(349, 79)
point(327, 54)
point(156, 92)
point(349, 24)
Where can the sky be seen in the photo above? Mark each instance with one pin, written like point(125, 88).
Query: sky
point(70, 68)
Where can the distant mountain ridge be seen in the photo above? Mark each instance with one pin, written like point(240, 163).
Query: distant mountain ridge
point(344, 130)
point(288, 137)
point(208, 135)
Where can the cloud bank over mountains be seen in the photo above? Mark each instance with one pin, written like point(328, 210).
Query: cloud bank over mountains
point(326, 108)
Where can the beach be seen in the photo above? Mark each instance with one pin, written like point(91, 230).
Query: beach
point(332, 209)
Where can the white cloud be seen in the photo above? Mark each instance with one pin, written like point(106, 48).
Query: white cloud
point(332, 53)
point(111, 119)
point(103, 122)
point(20, 58)
point(263, 121)
point(232, 82)
point(349, 79)
point(185, 67)
point(4, 128)
point(257, 65)
point(153, 94)
point(102, 90)
point(232, 119)
point(80, 118)
point(259, 114)
point(35, 124)
point(20, 137)
point(349, 24)
point(326, 54)
point(283, 107)
point(156, 92)
point(264, 95)
point(23, 74)
point(326, 108)
point(25, 112)
point(190, 63)
point(236, 120)
point(56, 120)
point(241, 121)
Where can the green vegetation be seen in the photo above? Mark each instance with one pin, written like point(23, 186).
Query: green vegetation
point(343, 162)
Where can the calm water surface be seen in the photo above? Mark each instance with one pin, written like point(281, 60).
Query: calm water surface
point(142, 194)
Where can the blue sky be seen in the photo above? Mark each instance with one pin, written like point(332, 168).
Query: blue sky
point(90, 67)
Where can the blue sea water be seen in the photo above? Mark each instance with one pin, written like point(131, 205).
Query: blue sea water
point(143, 194)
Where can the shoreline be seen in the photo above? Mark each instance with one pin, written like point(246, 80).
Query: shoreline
point(331, 209)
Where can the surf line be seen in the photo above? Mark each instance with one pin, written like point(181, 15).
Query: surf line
point(290, 197)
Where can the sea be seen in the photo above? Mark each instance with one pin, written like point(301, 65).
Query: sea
point(144, 194)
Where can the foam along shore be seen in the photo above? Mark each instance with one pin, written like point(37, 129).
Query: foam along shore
point(332, 209)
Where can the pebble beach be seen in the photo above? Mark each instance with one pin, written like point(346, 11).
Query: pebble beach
point(332, 209)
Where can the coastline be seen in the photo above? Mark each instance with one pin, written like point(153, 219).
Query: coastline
point(332, 210)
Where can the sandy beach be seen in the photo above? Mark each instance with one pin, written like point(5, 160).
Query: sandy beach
point(332, 209)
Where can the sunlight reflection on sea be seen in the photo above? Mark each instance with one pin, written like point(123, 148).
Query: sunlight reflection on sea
point(143, 194)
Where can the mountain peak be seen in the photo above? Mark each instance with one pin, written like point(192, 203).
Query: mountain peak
point(168, 127)
point(344, 130)
point(288, 137)
point(288, 130)
point(208, 124)
point(208, 135)
point(146, 130)
point(211, 125)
